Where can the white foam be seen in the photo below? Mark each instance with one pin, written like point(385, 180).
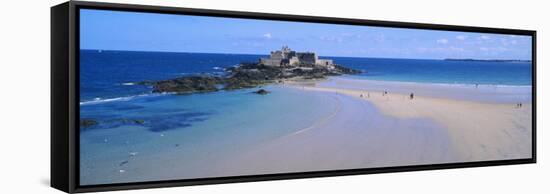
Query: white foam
point(100, 100)
point(464, 85)
point(126, 98)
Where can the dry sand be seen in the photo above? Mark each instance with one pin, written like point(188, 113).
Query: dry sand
point(479, 131)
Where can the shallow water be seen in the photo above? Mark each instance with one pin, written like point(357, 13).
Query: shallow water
point(356, 136)
point(470, 92)
point(204, 125)
point(207, 135)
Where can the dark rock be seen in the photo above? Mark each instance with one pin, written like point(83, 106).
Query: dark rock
point(345, 70)
point(86, 123)
point(191, 84)
point(262, 92)
point(246, 75)
point(139, 121)
point(123, 163)
point(125, 121)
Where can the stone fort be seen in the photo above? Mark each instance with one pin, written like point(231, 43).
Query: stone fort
point(287, 57)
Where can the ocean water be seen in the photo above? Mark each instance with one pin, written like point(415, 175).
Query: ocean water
point(136, 127)
point(441, 71)
point(109, 75)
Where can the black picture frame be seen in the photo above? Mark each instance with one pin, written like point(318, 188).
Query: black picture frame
point(65, 95)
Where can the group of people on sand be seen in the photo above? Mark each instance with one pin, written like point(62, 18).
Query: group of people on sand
point(368, 95)
point(519, 105)
point(411, 96)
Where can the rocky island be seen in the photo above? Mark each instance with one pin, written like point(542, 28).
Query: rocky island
point(281, 65)
point(284, 64)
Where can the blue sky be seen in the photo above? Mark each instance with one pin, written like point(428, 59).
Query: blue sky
point(115, 30)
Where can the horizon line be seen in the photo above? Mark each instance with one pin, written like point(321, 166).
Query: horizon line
point(441, 59)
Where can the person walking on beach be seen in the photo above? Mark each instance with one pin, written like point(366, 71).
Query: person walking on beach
point(411, 96)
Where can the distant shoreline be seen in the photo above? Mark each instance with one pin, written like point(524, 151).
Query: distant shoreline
point(491, 60)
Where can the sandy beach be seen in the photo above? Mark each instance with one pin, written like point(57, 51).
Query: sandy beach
point(479, 130)
point(315, 125)
point(423, 130)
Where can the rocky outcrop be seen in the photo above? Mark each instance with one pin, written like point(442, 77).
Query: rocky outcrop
point(247, 75)
point(262, 92)
point(345, 70)
point(87, 123)
point(182, 85)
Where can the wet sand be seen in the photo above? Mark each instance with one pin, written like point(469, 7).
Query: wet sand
point(355, 135)
point(373, 129)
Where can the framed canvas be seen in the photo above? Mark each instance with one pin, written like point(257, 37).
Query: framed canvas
point(149, 96)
